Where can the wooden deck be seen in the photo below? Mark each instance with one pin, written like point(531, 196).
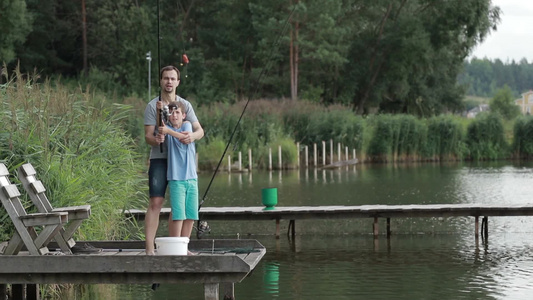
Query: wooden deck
point(124, 262)
point(293, 213)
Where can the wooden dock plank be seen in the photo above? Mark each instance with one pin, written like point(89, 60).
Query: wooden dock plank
point(121, 262)
point(361, 211)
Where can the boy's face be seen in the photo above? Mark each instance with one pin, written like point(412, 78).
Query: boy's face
point(177, 116)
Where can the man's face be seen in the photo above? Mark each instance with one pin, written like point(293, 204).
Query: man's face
point(169, 81)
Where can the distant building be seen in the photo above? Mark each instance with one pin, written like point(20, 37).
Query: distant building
point(476, 110)
point(525, 103)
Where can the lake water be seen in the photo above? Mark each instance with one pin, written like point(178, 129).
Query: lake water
point(426, 258)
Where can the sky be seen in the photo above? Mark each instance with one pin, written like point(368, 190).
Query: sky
point(514, 36)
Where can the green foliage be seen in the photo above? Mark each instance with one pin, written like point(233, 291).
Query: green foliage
point(209, 153)
point(485, 138)
point(445, 139)
point(15, 22)
point(503, 103)
point(483, 77)
point(523, 137)
point(289, 154)
point(392, 57)
point(80, 149)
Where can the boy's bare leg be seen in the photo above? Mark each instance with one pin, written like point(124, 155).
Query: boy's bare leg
point(151, 222)
point(175, 227)
point(186, 230)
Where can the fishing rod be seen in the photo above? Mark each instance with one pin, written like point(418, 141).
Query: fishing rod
point(160, 112)
point(203, 226)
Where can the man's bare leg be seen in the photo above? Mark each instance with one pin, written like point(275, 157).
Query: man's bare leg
point(151, 222)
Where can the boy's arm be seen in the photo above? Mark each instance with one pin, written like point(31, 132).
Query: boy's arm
point(168, 130)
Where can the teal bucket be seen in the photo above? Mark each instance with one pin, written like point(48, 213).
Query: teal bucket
point(269, 198)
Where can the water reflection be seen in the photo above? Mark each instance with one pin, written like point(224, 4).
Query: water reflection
point(426, 258)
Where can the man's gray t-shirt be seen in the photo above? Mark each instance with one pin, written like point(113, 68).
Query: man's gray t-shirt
point(150, 118)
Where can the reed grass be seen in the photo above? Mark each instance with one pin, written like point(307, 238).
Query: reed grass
point(79, 145)
point(523, 137)
point(485, 138)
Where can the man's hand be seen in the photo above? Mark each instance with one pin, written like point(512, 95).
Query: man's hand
point(160, 138)
point(187, 138)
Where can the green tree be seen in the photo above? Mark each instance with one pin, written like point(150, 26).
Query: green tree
point(15, 22)
point(503, 103)
point(408, 56)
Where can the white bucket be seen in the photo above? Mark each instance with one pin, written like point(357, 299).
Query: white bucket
point(171, 245)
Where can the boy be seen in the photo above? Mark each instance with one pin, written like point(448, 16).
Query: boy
point(181, 172)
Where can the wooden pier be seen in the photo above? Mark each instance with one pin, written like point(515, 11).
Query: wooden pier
point(124, 262)
point(293, 213)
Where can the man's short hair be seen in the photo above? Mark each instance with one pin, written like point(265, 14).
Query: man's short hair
point(169, 68)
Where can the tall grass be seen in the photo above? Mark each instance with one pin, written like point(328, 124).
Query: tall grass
point(445, 139)
point(523, 137)
point(485, 138)
point(80, 147)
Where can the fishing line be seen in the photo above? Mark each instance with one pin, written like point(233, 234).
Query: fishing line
point(202, 225)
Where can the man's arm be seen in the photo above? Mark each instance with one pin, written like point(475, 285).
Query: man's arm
point(150, 138)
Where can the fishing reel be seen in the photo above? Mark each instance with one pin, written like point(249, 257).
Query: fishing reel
point(165, 111)
point(202, 229)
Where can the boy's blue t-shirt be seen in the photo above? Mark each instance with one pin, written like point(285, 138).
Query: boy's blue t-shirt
point(181, 157)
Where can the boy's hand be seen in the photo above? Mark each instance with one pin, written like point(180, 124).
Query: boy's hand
point(163, 129)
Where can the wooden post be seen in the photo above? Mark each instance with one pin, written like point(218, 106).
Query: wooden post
point(280, 163)
point(211, 291)
point(323, 153)
point(32, 292)
point(277, 228)
point(315, 154)
point(339, 151)
point(298, 155)
point(331, 151)
point(240, 161)
point(229, 163)
point(17, 291)
point(229, 290)
point(346, 153)
point(306, 156)
point(3, 291)
point(388, 228)
point(354, 153)
point(376, 227)
point(270, 159)
point(249, 159)
point(476, 228)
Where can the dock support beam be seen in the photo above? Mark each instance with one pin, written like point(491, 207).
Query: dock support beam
point(388, 228)
point(3, 291)
point(291, 230)
point(229, 290)
point(277, 228)
point(211, 291)
point(375, 227)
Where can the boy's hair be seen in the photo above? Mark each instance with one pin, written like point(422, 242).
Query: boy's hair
point(169, 68)
point(176, 104)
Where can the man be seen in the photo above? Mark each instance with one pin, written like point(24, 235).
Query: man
point(157, 173)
